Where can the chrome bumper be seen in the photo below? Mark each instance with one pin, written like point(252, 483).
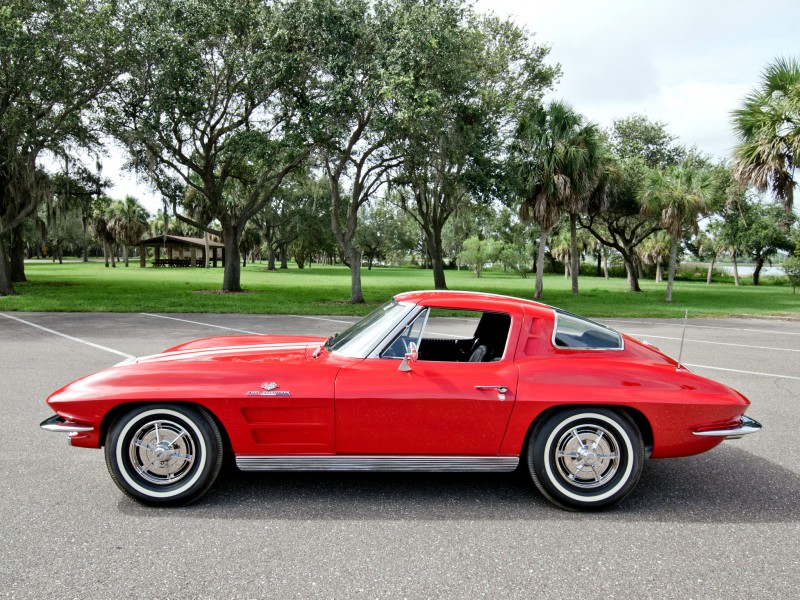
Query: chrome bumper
point(746, 426)
point(60, 425)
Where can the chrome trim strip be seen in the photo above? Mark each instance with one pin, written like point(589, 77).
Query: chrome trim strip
point(59, 425)
point(378, 463)
point(746, 426)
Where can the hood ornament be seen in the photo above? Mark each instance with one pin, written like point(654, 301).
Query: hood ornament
point(269, 386)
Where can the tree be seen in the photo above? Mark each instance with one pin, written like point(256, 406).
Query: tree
point(477, 252)
point(460, 86)
point(127, 223)
point(216, 101)
point(791, 266)
point(640, 146)
point(709, 246)
point(57, 59)
point(679, 196)
point(768, 127)
point(351, 42)
point(655, 250)
point(552, 164)
point(766, 232)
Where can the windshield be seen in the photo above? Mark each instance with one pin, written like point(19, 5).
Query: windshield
point(360, 339)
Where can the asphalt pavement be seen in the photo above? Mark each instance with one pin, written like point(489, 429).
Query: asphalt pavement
point(724, 524)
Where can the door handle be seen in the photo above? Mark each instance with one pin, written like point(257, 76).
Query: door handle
point(501, 390)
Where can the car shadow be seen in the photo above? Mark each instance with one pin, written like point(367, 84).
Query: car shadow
point(727, 485)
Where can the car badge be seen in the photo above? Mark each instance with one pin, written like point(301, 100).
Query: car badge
point(268, 388)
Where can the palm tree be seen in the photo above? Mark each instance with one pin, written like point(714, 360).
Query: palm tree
point(654, 250)
point(554, 166)
point(679, 195)
point(128, 223)
point(768, 127)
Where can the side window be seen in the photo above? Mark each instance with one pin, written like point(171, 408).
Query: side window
point(453, 335)
point(572, 331)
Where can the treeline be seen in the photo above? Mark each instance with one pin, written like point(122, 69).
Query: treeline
point(359, 129)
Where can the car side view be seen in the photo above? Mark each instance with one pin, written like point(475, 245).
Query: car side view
point(429, 381)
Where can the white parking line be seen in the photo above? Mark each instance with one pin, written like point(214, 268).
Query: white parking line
point(201, 323)
point(688, 326)
point(69, 337)
point(662, 337)
point(743, 372)
point(323, 319)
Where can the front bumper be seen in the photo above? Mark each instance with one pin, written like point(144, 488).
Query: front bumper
point(61, 425)
point(745, 427)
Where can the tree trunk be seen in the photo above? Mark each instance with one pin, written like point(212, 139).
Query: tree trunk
point(231, 278)
point(284, 256)
point(6, 288)
point(605, 263)
point(206, 249)
point(711, 270)
point(437, 263)
point(630, 268)
point(16, 256)
point(540, 264)
point(599, 264)
point(659, 272)
point(757, 272)
point(85, 240)
point(735, 270)
point(566, 269)
point(270, 258)
point(125, 254)
point(106, 252)
point(354, 256)
point(574, 256)
point(673, 262)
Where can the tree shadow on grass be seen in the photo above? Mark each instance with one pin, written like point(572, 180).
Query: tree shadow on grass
point(727, 485)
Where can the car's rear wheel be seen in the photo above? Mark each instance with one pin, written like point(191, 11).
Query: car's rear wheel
point(586, 458)
point(166, 455)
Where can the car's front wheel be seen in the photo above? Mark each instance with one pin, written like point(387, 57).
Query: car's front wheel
point(586, 458)
point(166, 455)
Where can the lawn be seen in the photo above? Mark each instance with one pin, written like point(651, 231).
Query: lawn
point(79, 287)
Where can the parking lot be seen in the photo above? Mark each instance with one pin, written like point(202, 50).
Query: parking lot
point(725, 524)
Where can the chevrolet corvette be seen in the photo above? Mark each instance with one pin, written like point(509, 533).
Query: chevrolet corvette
point(429, 381)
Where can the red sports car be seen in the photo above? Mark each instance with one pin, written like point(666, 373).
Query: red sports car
point(430, 381)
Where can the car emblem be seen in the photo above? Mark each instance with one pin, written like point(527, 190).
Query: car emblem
point(268, 388)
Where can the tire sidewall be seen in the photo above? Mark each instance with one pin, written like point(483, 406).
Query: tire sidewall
point(541, 458)
point(190, 487)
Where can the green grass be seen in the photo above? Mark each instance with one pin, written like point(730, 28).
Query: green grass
point(78, 287)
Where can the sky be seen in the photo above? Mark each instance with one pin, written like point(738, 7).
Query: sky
point(685, 63)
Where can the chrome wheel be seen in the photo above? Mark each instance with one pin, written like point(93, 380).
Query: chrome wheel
point(585, 458)
point(162, 451)
point(164, 454)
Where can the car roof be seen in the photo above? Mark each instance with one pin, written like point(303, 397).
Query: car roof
point(493, 301)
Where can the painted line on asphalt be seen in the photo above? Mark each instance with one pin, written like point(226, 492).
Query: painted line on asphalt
point(743, 372)
point(677, 339)
point(201, 323)
point(69, 337)
point(323, 319)
point(689, 326)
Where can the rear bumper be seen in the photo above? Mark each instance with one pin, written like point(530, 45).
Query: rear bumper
point(61, 425)
point(745, 427)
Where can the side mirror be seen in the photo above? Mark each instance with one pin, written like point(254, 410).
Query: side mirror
point(409, 357)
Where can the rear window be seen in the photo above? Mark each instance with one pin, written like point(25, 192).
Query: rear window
point(572, 331)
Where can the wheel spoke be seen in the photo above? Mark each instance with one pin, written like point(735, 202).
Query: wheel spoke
point(597, 440)
point(179, 436)
point(577, 436)
point(605, 456)
point(578, 468)
point(158, 437)
point(561, 454)
point(186, 457)
point(596, 474)
point(140, 444)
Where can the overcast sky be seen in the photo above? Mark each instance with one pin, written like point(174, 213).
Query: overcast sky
point(687, 63)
